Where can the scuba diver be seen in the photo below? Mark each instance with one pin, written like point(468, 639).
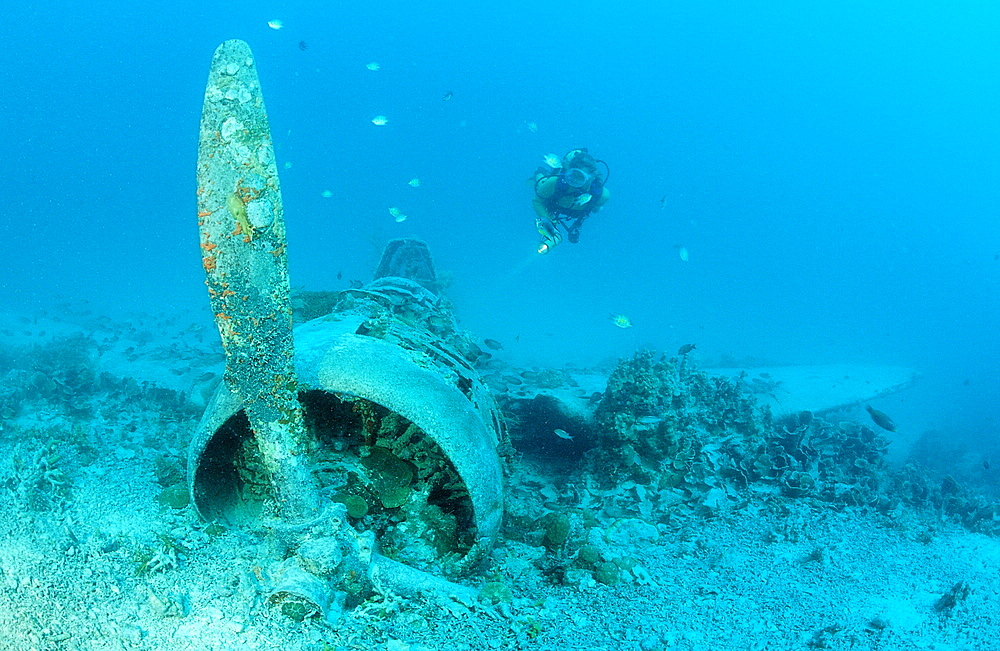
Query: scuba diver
point(567, 191)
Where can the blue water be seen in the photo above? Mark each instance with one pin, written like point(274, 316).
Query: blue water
point(834, 172)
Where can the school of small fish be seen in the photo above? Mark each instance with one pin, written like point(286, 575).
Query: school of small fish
point(552, 160)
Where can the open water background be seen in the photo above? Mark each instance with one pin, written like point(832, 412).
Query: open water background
point(833, 170)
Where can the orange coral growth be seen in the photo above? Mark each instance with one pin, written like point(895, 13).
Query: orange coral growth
point(204, 213)
point(208, 262)
point(246, 195)
point(208, 246)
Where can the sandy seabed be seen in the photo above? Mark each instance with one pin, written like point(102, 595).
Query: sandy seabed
point(771, 574)
point(77, 569)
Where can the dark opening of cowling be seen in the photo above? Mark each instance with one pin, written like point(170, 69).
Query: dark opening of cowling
point(396, 425)
point(393, 479)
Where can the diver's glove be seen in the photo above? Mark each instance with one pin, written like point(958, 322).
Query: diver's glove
point(550, 235)
point(547, 245)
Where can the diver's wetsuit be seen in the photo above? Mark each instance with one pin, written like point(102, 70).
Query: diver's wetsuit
point(556, 202)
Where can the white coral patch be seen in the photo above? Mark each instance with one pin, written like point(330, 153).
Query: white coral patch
point(229, 127)
point(239, 93)
point(260, 213)
point(265, 156)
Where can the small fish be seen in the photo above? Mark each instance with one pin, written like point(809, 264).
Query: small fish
point(986, 464)
point(373, 66)
point(447, 96)
point(397, 214)
point(532, 127)
point(414, 182)
point(546, 229)
point(686, 348)
point(275, 24)
point(621, 321)
point(380, 120)
point(356, 284)
point(493, 343)
point(288, 164)
point(682, 253)
point(563, 434)
point(340, 274)
point(881, 419)
point(326, 194)
point(663, 203)
point(648, 420)
point(303, 46)
point(552, 161)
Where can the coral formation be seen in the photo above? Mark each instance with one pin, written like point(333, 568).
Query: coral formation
point(671, 441)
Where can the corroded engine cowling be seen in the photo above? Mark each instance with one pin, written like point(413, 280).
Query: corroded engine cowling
point(406, 434)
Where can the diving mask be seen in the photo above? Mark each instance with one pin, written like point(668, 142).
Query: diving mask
point(577, 178)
